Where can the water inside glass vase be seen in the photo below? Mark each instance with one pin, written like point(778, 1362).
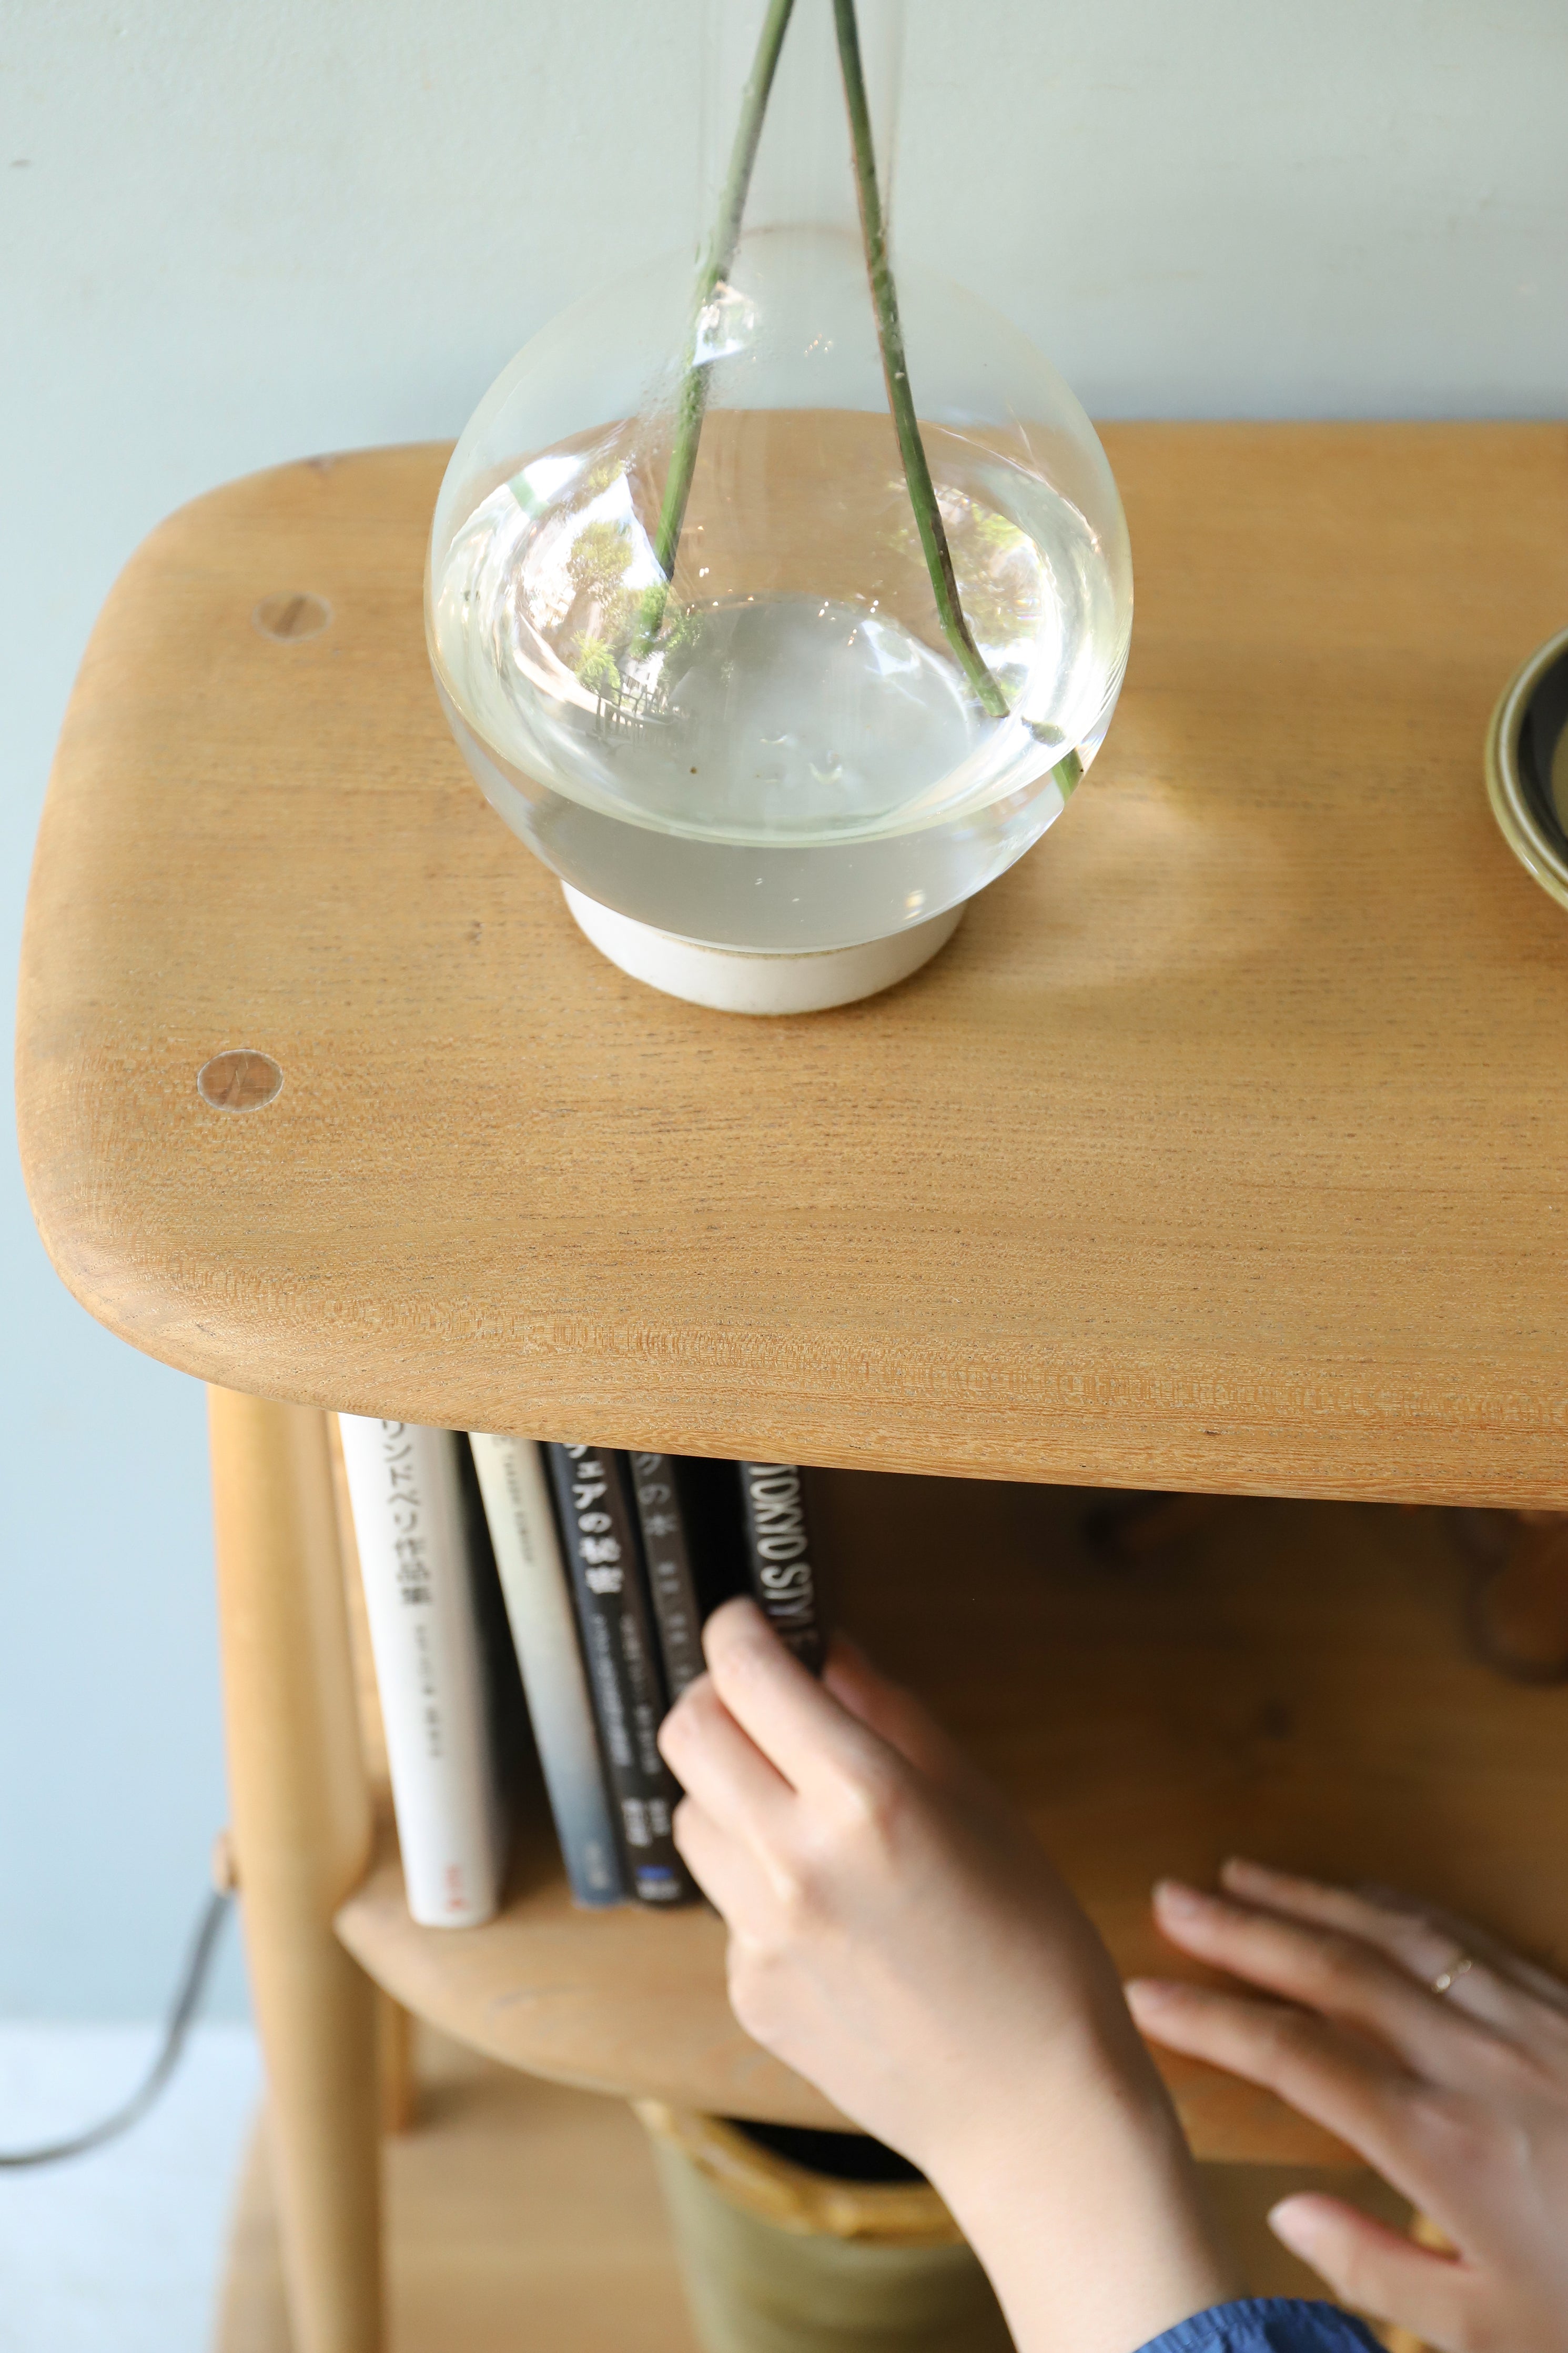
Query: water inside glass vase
point(791, 691)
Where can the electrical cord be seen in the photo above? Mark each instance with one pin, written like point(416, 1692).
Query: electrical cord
point(186, 2002)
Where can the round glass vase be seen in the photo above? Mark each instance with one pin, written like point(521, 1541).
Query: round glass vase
point(779, 596)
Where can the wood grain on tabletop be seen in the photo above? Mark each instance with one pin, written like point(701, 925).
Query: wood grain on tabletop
point(1290, 1681)
point(1222, 1149)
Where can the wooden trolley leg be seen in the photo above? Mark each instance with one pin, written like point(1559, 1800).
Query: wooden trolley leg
point(301, 1828)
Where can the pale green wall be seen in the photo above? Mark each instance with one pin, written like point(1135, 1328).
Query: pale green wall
point(230, 235)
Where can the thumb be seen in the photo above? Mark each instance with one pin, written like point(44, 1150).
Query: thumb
point(1378, 2270)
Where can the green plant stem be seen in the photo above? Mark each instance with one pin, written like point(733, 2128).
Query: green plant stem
point(693, 401)
point(895, 368)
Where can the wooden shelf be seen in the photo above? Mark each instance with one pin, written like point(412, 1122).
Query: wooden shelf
point(616, 2002)
point(1221, 1150)
point(1290, 1679)
point(488, 2146)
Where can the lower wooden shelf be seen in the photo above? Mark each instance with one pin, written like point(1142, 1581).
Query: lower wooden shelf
point(618, 2001)
point(1290, 1679)
point(518, 2213)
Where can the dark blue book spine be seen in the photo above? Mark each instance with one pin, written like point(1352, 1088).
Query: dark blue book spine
point(666, 1541)
point(609, 1592)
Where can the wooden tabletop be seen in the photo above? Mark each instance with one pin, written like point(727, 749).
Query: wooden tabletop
point(1225, 1147)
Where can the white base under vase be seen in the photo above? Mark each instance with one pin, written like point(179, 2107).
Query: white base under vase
point(745, 980)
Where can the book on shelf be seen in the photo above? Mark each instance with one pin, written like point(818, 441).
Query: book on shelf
point(671, 1522)
point(512, 1745)
point(779, 1557)
point(533, 1583)
point(587, 1571)
point(438, 1702)
point(596, 1516)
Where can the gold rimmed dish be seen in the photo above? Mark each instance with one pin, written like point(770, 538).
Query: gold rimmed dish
point(1527, 764)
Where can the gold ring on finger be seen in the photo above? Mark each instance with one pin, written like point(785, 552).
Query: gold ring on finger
point(1446, 1980)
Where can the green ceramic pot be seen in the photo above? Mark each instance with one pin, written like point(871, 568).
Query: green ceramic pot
point(779, 2258)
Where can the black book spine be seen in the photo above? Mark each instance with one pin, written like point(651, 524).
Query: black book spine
point(667, 1549)
point(778, 1557)
point(610, 1597)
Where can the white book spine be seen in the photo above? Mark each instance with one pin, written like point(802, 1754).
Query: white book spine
point(516, 1491)
point(429, 1668)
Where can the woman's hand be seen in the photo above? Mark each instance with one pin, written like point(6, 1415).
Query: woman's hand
point(1434, 2051)
point(898, 1936)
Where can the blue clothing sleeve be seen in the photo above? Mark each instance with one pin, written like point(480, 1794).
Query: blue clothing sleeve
point(1266, 2323)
